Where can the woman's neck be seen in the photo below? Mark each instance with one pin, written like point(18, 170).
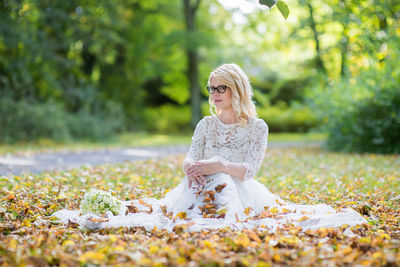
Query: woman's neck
point(227, 116)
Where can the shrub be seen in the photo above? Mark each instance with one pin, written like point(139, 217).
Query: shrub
point(373, 126)
point(362, 113)
point(29, 120)
point(281, 118)
point(97, 125)
point(168, 118)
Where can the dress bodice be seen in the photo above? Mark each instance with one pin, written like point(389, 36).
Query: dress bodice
point(232, 142)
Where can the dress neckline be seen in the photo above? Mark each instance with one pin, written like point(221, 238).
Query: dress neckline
point(228, 124)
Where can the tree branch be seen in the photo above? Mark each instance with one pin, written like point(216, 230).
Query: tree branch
point(196, 6)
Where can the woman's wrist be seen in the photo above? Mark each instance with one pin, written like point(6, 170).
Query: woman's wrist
point(222, 165)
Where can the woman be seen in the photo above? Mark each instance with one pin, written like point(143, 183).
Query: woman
point(219, 189)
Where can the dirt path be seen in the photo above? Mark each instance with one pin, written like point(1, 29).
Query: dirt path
point(36, 163)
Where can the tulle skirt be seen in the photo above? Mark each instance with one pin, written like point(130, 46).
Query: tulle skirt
point(224, 201)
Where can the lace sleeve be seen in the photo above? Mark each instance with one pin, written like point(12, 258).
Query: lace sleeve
point(197, 145)
point(255, 154)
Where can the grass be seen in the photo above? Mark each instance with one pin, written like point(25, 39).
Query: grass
point(122, 140)
point(368, 183)
point(296, 137)
point(135, 140)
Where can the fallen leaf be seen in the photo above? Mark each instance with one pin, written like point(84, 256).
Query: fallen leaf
point(220, 187)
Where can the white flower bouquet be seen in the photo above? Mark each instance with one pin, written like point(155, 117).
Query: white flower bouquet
point(99, 202)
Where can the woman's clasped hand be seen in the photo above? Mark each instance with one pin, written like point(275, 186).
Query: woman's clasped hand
point(198, 170)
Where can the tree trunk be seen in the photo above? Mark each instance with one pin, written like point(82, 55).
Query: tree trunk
point(320, 64)
point(343, 50)
point(192, 60)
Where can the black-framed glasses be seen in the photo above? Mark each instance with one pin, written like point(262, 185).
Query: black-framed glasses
point(220, 88)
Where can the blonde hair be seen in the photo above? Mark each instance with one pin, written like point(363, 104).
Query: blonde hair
point(242, 104)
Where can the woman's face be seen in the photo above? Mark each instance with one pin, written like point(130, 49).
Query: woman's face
point(221, 100)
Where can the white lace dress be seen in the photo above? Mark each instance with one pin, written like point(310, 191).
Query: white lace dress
point(224, 201)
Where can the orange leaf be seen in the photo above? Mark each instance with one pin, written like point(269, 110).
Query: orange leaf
point(220, 187)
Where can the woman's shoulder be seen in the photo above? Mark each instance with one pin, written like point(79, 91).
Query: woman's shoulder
point(206, 119)
point(204, 122)
point(258, 124)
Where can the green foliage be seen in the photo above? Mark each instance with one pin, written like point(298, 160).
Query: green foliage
point(167, 118)
point(268, 3)
point(279, 89)
point(281, 118)
point(98, 125)
point(362, 113)
point(372, 126)
point(77, 55)
point(29, 120)
point(283, 8)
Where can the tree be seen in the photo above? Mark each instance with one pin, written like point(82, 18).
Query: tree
point(190, 9)
point(316, 36)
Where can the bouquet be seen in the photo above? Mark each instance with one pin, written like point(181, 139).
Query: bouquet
point(99, 202)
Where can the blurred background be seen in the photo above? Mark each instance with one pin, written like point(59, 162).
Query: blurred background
point(72, 70)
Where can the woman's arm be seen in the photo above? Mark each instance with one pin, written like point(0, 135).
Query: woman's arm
point(243, 170)
point(211, 166)
point(196, 152)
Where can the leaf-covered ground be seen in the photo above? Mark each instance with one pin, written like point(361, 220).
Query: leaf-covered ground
point(368, 183)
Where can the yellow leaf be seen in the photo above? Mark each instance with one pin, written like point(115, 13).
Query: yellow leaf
point(385, 236)
point(75, 236)
point(274, 210)
point(61, 196)
point(181, 215)
point(13, 244)
point(221, 210)
point(170, 251)
point(303, 218)
point(365, 240)
point(244, 262)
point(145, 261)
point(68, 243)
point(286, 210)
point(323, 232)
point(377, 255)
point(92, 256)
point(113, 238)
point(119, 248)
point(347, 250)
point(153, 249)
point(289, 240)
point(276, 257)
point(366, 262)
point(248, 210)
point(209, 244)
point(181, 260)
point(242, 240)
point(26, 223)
